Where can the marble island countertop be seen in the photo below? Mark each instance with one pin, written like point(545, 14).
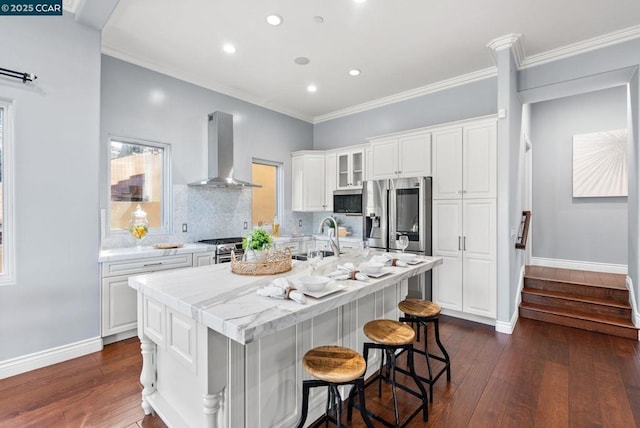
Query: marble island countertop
point(228, 303)
point(129, 253)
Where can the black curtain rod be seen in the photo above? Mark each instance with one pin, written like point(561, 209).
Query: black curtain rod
point(18, 75)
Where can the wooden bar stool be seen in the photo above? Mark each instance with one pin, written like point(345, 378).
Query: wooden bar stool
point(422, 312)
point(333, 366)
point(391, 336)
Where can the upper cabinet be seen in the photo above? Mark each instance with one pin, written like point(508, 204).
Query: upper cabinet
point(404, 155)
point(350, 168)
point(464, 161)
point(313, 180)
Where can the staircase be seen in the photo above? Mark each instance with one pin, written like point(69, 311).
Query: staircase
point(591, 301)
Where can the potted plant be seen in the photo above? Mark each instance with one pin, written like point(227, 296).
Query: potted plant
point(331, 231)
point(254, 243)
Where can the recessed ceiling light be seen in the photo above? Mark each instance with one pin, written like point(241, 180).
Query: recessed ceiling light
point(354, 72)
point(229, 48)
point(301, 60)
point(312, 88)
point(274, 19)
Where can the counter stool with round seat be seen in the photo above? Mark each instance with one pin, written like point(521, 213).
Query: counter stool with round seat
point(332, 366)
point(391, 336)
point(422, 312)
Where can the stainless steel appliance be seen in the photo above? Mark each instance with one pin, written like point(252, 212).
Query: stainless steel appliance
point(223, 248)
point(347, 202)
point(397, 207)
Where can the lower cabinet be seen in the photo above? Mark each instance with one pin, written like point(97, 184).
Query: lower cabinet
point(118, 300)
point(464, 235)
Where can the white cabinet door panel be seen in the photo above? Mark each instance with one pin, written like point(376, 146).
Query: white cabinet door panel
point(479, 291)
point(314, 185)
point(447, 281)
point(447, 163)
point(119, 308)
point(447, 221)
point(330, 173)
point(414, 155)
point(479, 266)
point(479, 161)
point(384, 159)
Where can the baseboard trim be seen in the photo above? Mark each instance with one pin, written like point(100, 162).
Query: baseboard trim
point(468, 317)
point(508, 327)
point(635, 315)
point(579, 265)
point(37, 360)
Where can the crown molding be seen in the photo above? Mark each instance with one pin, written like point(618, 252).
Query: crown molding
point(511, 41)
point(584, 46)
point(413, 93)
point(200, 81)
point(70, 6)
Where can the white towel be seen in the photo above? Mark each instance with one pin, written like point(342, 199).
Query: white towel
point(280, 289)
point(388, 260)
point(346, 271)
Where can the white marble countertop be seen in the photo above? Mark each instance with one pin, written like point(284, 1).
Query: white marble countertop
point(132, 253)
point(228, 303)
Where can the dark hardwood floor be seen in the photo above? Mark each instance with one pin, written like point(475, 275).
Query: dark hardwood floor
point(543, 375)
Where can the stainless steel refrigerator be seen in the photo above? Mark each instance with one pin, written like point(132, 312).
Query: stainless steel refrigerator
point(395, 207)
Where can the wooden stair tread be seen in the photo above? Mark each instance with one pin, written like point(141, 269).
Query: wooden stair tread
point(584, 299)
point(581, 316)
point(579, 277)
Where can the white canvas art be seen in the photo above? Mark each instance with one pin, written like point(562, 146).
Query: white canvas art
point(600, 164)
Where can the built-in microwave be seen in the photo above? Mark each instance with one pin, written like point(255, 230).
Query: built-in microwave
point(347, 201)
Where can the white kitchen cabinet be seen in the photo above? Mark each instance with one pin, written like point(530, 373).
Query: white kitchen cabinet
point(464, 235)
point(350, 168)
point(404, 155)
point(330, 177)
point(308, 181)
point(118, 300)
point(464, 161)
point(204, 259)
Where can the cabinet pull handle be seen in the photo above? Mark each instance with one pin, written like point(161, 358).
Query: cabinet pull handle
point(152, 264)
point(459, 244)
point(464, 243)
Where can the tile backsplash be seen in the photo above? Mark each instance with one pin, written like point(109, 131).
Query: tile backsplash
point(213, 213)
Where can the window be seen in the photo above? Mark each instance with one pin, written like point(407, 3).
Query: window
point(267, 200)
point(7, 231)
point(139, 175)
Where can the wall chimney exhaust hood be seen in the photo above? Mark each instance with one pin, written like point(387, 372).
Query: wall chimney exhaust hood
point(220, 154)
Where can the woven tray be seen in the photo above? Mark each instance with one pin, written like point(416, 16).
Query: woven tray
point(276, 261)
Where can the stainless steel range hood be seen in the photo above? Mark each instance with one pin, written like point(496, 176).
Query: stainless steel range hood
point(220, 156)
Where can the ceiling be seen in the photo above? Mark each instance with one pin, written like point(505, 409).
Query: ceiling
point(402, 47)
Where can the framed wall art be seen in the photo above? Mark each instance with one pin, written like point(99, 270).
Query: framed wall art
point(600, 164)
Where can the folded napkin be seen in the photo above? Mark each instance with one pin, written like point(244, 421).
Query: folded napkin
point(280, 289)
point(388, 260)
point(348, 271)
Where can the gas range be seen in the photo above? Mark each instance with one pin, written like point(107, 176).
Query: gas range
point(224, 246)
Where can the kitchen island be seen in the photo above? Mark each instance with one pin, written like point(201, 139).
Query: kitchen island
point(216, 354)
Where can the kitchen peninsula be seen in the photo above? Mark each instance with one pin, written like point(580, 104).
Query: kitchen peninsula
point(216, 354)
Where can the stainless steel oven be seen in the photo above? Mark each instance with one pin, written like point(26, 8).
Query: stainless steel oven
point(223, 247)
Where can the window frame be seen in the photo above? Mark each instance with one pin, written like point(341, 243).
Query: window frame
point(279, 186)
point(166, 226)
point(8, 274)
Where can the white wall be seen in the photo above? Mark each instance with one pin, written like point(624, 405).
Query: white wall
point(56, 299)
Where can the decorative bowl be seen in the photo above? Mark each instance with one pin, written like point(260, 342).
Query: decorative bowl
point(371, 267)
point(314, 283)
point(405, 257)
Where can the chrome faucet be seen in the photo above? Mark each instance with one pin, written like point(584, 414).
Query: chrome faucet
point(335, 246)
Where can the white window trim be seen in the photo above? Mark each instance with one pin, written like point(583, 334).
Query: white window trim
point(8, 275)
point(167, 205)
